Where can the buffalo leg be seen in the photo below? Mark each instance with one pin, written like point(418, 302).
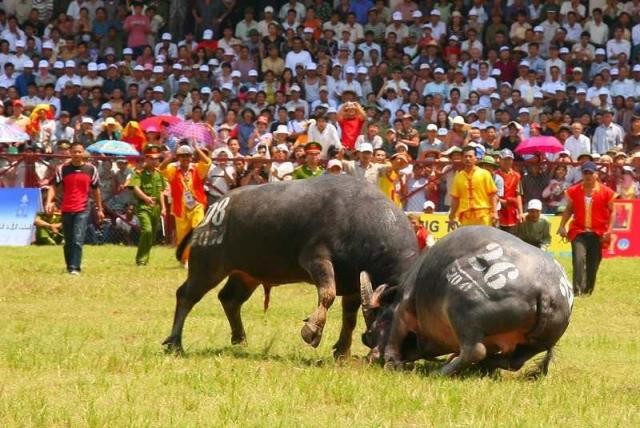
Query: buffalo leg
point(188, 294)
point(320, 268)
point(350, 305)
point(470, 353)
point(235, 292)
point(397, 335)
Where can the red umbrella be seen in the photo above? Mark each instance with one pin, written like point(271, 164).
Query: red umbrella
point(541, 144)
point(159, 121)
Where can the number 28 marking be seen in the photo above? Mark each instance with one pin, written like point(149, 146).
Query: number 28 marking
point(216, 212)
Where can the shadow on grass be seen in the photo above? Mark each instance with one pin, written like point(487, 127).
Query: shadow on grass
point(241, 352)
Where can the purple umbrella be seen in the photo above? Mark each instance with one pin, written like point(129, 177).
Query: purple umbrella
point(199, 133)
point(541, 144)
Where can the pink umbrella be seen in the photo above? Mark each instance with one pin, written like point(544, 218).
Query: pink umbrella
point(200, 133)
point(159, 121)
point(541, 144)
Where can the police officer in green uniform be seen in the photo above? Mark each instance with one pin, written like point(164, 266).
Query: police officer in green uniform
point(311, 167)
point(148, 185)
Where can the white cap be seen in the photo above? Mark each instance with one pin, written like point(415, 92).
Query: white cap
point(253, 73)
point(442, 132)
point(363, 70)
point(429, 204)
point(601, 51)
point(308, 30)
point(43, 64)
point(432, 127)
point(636, 67)
point(177, 66)
point(158, 69)
point(438, 70)
point(127, 51)
point(158, 89)
point(282, 129)
point(564, 50)
point(523, 110)
point(614, 71)
point(252, 89)
point(236, 73)
point(160, 59)
point(213, 62)
point(70, 64)
point(28, 64)
point(20, 43)
point(106, 106)
point(183, 80)
point(138, 68)
point(453, 37)
point(102, 66)
point(294, 87)
point(365, 147)
point(496, 72)
point(166, 36)
point(435, 12)
point(577, 70)
point(87, 120)
point(92, 66)
point(268, 9)
point(207, 35)
point(184, 150)
point(494, 96)
point(227, 85)
point(282, 147)
point(397, 16)
point(416, 14)
point(204, 68)
point(581, 91)
point(350, 70)
point(603, 91)
point(312, 66)
point(538, 29)
point(534, 204)
point(525, 63)
point(425, 66)
point(334, 162)
point(48, 45)
point(504, 48)
point(205, 90)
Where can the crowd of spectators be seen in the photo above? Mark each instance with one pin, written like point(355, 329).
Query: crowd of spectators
point(377, 84)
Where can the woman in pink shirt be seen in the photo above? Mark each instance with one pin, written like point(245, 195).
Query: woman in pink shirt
point(138, 26)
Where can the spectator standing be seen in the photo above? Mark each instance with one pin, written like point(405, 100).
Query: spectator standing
point(590, 206)
point(76, 180)
point(608, 135)
point(351, 117)
point(473, 193)
point(186, 182)
point(510, 212)
point(148, 187)
point(138, 26)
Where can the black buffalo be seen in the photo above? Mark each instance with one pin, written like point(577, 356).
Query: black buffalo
point(480, 294)
point(324, 231)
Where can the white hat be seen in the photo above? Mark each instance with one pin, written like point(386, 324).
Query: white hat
point(282, 129)
point(204, 68)
point(416, 14)
point(106, 106)
point(432, 127)
point(158, 89)
point(158, 69)
point(365, 147)
point(504, 48)
point(138, 68)
point(350, 70)
point(221, 151)
point(438, 70)
point(282, 147)
point(294, 87)
point(213, 62)
point(577, 69)
point(102, 66)
point(28, 64)
point(205, 90)
point(334, 162)
point(636, 67)
point(538, 95)
point(236, 73)
point(268, 9)
point(603, 91)
point(458, 120)
point(442, 132)
point(332, 110)
point(523, 110)
point(496, 72)
point(109, 51)
point(227, 85)
point(581, 91)
point(127, 51)
point(538, 29)
point(614, 71)
point(525, 63)
point(253, 73)
point(453, 37)
point(177, 66)
point(308, 30)
point(563, 50)
point(184, 150)
point(252, 89)
point(425, 66)
point(397, 16)
point(429, 204)
point(70, 64)
point(494, 96)
point(92, 66)
point(534, 204)
point(601, 51)
point(323, 88)
point(20, 43)
point(48, 45)
point(43, 63)
point(435, 12)
point(207, 35)
point(183, 79)
point(58, 65)
point(166, 36)
point(87, 120)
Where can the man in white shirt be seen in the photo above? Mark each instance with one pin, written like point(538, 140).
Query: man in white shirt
point(297, 55)
point(263, 26)
point(608, 135)
point(484, 84)
point(597, 28)
point(439, 29)
point(618, 45)
point(166, 44)
point(577, 143)
point(160, 106)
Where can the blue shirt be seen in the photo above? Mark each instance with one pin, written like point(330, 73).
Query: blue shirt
point(23, 81)
point(244, 132)
point(361, 9)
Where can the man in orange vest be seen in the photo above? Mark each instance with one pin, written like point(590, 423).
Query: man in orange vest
point(186, 182)
point(590, 204)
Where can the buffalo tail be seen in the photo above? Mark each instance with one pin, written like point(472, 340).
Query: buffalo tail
point(182, 246)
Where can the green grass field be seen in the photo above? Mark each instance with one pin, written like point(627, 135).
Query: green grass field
point(85, 351)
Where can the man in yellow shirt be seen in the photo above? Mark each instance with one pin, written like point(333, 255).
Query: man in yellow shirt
point(473, 193)
point(186, 182)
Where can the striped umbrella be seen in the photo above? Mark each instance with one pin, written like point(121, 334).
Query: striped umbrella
point(200, 133)
point(12, 134)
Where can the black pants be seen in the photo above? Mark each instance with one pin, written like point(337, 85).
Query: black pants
point(586, 253)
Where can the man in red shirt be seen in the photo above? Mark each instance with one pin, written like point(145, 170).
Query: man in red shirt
point(351, 117)
point(76, 179)
point(511, 203)
point(590, 205)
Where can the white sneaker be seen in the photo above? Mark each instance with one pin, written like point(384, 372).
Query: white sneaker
point(74, 272)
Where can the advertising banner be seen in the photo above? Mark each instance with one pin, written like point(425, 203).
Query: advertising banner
point(18, 209)
point(625, 236)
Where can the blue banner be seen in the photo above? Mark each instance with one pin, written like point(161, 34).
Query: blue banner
point(18, 209)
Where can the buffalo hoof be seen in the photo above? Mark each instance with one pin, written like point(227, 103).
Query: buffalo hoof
point(341, 354)
point(311, 334)
point(393, 365)
point(239, 340)
point(172, 346)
